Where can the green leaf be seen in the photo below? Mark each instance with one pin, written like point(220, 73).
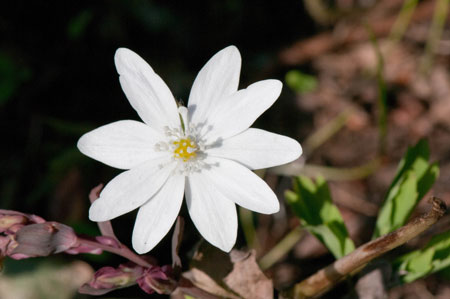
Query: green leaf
point(300, 82)
point(414, 178)
point(312, 203)
point(397, 209)
point(427, 180)
point(434, 257)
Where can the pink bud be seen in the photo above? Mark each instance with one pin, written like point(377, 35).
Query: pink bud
point(29, 217)
point(43, 239)
point(4, 245)
point(7, 221)
point(157, 279)
point(35, 219)
point(7, 245)
point(107, 279)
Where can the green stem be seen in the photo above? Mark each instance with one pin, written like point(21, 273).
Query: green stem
point(248, 227)
point(402, 21)
point(328, 173)
point(324, 133)
point(281, 249)
point(382, 94)
point(437, 25)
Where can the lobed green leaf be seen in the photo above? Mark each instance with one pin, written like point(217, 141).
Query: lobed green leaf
point(434, 257)
point(312, 203)
point(414, 178)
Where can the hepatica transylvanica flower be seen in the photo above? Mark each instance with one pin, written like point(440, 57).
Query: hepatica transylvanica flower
point(205, 151)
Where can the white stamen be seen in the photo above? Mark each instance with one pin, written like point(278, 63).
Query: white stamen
point(191, 149)
point(191, 143)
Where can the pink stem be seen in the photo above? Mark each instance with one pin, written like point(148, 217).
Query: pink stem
point(122, 251)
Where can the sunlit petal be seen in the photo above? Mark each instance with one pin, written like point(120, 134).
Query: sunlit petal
point(237, 112)
point(257, 149)
point(212, 212)
point(130, 189)
point(156, 216)
point(122, 144)
point(219, 78)
point(146, 91)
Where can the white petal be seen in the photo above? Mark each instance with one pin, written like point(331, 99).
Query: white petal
point(146, 91)
point(131, 189)
point(212, 212)
point(257, 149)
point(240, 185)
point(239, 111)
point(123, 144)
point(155, 217)
point(217, 79)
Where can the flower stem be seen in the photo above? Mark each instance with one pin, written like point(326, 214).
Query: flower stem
point(382, 93)
point(283, 247)
point(321, 135)
point(122, 250)
point(329, 173)
point(246, 217)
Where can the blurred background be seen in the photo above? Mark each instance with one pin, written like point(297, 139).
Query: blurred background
point(58, 81)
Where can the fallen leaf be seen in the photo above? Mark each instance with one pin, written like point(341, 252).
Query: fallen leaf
point(236, 275)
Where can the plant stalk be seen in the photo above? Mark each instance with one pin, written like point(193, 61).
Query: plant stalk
point(328, 277)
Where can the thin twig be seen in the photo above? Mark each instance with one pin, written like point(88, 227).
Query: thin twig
point(326, 278)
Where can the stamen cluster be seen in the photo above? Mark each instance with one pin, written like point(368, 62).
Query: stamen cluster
point(185, 146)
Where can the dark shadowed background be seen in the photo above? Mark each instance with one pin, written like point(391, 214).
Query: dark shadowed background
point(58, 81)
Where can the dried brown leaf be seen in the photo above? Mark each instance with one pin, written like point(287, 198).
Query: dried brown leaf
point(236, 275)
point(247, 279)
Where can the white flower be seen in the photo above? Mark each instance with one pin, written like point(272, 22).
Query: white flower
point(204, 151)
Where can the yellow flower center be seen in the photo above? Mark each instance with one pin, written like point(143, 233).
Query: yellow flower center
point(185, 149)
